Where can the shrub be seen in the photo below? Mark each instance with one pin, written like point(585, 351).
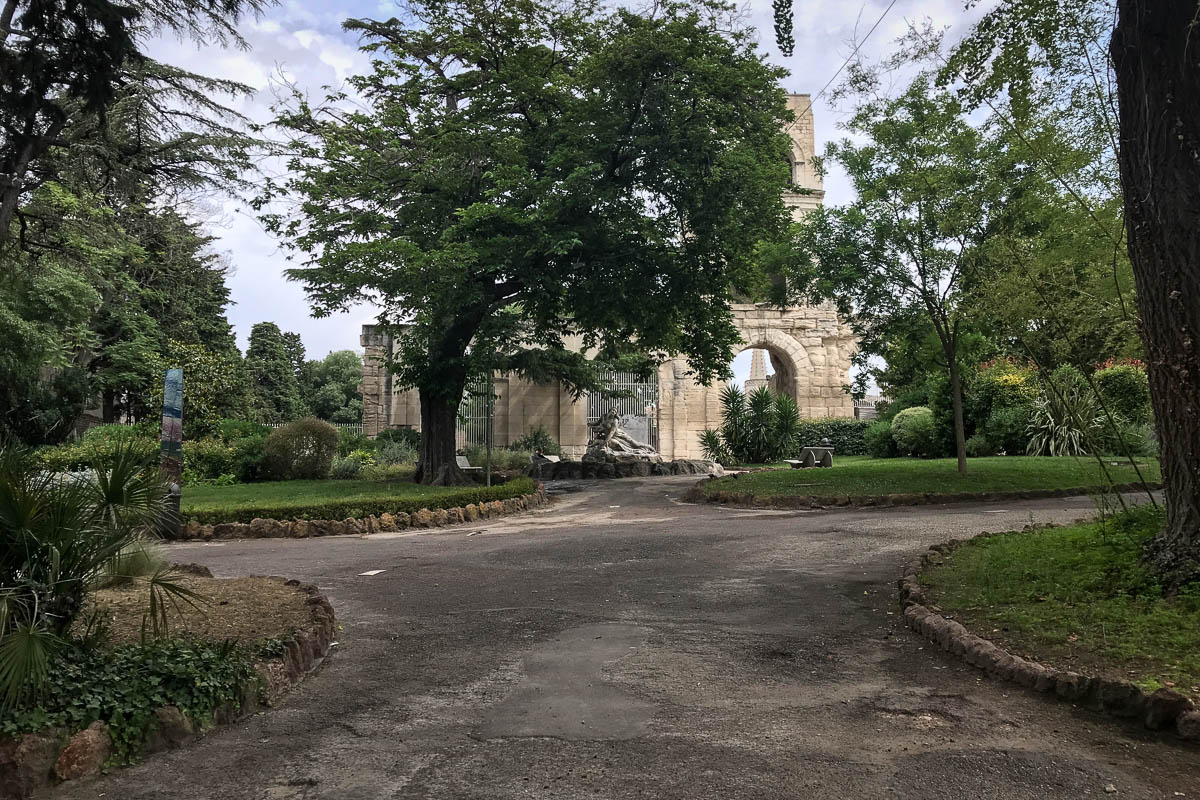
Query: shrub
point(980, 446)
point(503, 458)
point(232, 429)
point(913, 429)
point(359, 507)
point(122, 687)
point(1126, 391)
point(346, 468)
point(1000, 383)
point(537, 438)
point(249, 457)
point(57, 540)
point(756, 429)
point(713, 448)
point(301, 449)
point(1069, 425)
point(98, 449)
point(141, 558)
point(395, 452)
point(847, 435)
point(406, 436)
point(349, 440)
point(878, 441)
point(387, 472)
point(208, 459)
point(1007, 429)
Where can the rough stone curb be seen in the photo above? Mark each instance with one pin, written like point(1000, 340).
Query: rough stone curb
point(259, 528)
point(697, 495)
point(1162, 710)
point(34, 761)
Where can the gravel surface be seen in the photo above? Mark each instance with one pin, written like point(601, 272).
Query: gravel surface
point(620, 644)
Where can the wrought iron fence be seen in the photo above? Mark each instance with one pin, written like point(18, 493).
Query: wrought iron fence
point(474, 410)
point(637, 405)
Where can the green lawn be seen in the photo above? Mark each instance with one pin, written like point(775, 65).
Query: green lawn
point(1077, 598)
point(331, 499)
point(864, 476)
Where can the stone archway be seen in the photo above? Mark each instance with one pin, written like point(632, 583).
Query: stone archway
point(810, 352)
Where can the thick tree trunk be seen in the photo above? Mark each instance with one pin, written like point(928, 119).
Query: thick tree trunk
point(438, 464)
point(108, 408)
point(1156, 56)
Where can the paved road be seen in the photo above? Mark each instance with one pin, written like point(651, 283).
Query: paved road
point(624, 645)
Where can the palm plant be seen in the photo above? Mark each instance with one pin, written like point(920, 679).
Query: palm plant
point(61, 538)
point(733, 419)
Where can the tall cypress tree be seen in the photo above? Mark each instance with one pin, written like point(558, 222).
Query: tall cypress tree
point(275, 394)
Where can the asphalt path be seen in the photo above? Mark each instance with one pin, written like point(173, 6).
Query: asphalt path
point(622, 644)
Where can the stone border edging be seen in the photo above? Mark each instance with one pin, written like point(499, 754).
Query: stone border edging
point(259, 528)
point(696, 494)
point(34, 761)
point(1161, 710)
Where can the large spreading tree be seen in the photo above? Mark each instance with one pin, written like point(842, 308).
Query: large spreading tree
point(512, 175)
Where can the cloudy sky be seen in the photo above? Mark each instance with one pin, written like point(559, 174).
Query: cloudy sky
point(304, 40)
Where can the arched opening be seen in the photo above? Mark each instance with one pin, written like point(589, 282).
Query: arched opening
point(767, 365)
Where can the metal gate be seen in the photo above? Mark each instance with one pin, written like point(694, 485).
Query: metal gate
point(637, 406)
point(474, 410)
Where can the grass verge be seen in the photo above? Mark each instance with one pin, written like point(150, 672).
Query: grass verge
point(1076, 598)
point(857, 476)
point(332, 499)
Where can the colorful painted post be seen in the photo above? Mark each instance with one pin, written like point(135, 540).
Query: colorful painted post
point(171, 453)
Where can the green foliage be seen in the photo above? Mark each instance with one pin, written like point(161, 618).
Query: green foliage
point(503, 458)
point(331, 387)
point(980, 446)
point(761, 428)
point(300, 450)
point(123, 686)
point(350, 440)
point(233, 429)
point(713, 447)
point(346, 468)
point(1007, 429)
point(1126, 391)
point(550, 234)
point(214, 387)
point(99, 448)
point(334, 499)
point(1065, 425)
point(407, 436)
point(208, 459)
point(275, 392)
point(249, 458)
point(1082, 594)
point(59, 538)
point(847, 435)
point(878, 440)
point(395, 452)
point(537, 439)
point(914, 432)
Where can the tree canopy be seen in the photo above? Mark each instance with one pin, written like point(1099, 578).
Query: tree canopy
point(518, 177)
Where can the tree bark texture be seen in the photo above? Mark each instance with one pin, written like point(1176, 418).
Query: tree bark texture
point(438, 462)
point(1156, 56)
point(960, 434)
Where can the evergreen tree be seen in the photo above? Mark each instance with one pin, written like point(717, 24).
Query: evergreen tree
point(274, 392)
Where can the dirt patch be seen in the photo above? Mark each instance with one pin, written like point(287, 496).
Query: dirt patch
point(245, 609)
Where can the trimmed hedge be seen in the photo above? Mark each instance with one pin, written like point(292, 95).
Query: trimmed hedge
point(846, 434)
point(361, 506)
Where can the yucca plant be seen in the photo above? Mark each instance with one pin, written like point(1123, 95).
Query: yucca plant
point(755, 429)
point(1066, 425)
point(61, 538)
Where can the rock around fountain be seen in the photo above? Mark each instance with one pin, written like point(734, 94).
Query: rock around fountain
point(613, 453)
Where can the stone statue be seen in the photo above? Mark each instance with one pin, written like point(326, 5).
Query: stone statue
point(610, 443)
